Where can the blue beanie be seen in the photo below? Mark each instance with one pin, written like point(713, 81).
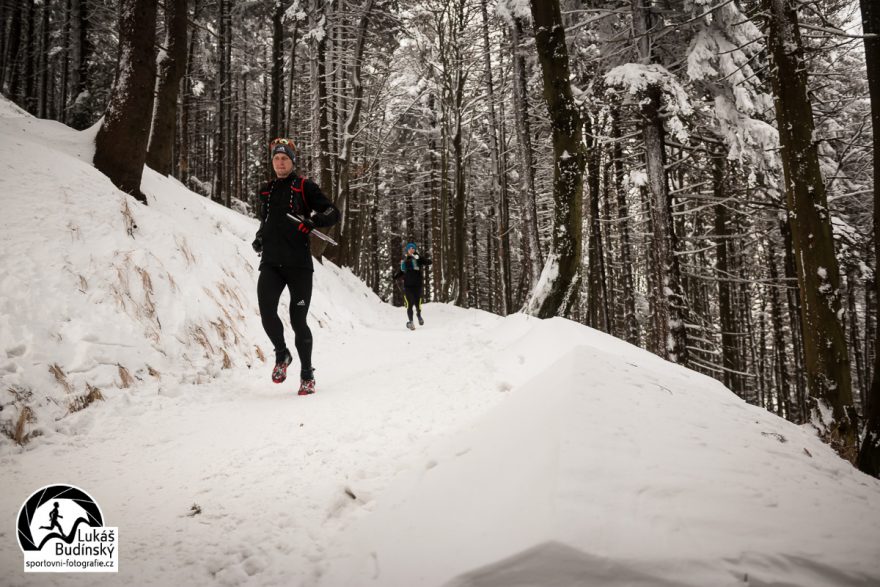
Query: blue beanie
point(409, 246)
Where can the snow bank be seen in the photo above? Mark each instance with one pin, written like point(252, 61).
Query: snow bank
point(614, 467)
point(100, 292)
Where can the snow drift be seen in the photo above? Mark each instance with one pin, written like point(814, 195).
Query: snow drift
point(613, 467)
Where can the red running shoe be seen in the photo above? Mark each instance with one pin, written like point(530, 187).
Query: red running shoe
point(306, 387)
point(279, 373)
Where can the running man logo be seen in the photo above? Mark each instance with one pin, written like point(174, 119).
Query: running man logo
point(61, 529)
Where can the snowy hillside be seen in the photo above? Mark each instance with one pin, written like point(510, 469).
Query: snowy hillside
point(100, 292)
point(477, 450)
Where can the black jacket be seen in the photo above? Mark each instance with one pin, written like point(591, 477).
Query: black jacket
point(283, 244)
point(412, 272)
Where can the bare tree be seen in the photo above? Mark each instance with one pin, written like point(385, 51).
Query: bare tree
point(825, 348)
point(223, 92)
point(121, 144)
point(79, 114)
point(170, 71)
point(869, 455)
point(276, 102)
point(670, 304)
point(531, 240)
point(43, 62)
point(500, 173)
point(556, 292)
point(30, 95)
point(349, 132)
point(320, 122)
point(186, 107)
point(12, 52)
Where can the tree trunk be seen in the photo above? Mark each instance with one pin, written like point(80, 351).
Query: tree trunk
point(868, 341)
point(504, 246)
point(459, 201)
point(396, 246)
point(183, 159)
point(320, 107)
point(556, 292)
point(852, 315)
point(170, 70)
point(459, 76)
point(226, 93)
point(43, 62)
point(239, 147)
point(531, 241)
point(64, 81)
point(121, 144)
point(336, 105)
point(670, 302)
point(597, 297)
point(723, 274)
point(218, 189)
point(473, 299)
point(500, 174)
point(12, 58)
point(825, 350)
point(795, 322)
point(30, 94)
point(6, 10)
point(248, 191)
point(264, 120)
point(869, 455)
point(781, 373)
point(630, 322)
point(436, 191)
point(341, 229)
point(373, 222)
point(320, 129)
point(276, 102)
point(291, 82)
point(80, 114)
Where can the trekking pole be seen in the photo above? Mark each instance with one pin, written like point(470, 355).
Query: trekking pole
point(315, 232)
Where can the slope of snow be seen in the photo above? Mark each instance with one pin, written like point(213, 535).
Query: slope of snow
point(103, 287)
point(612, 467)
point(474, 451)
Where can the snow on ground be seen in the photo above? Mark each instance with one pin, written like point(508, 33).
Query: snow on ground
point(474, 451)
point(611, 467)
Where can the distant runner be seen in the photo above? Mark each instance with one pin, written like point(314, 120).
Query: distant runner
point(411, 269)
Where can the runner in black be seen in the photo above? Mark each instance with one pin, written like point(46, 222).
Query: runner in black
point(287, 258)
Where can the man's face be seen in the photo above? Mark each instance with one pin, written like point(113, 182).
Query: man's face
point(282, 164)
point(410, 251)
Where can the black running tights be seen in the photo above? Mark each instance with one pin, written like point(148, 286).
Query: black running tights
point(412, 298)
point(271, 283)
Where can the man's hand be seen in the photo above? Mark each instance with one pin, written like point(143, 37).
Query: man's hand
point(258, 245)
point(306, 226)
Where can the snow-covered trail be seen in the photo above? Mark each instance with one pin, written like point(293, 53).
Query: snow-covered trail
point(275, 475)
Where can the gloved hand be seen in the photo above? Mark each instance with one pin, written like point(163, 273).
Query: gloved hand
point(258, 245)
point(306, 226)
